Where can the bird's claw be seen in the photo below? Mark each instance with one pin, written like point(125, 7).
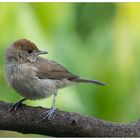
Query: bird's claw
point(14, 106)
point(48, 113)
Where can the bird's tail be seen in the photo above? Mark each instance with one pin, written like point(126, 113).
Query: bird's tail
point(83, 80)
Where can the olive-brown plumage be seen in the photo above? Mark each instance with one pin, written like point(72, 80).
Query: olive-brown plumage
point(35, 77)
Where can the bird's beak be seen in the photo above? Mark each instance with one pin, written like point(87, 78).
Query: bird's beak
point(41, 52)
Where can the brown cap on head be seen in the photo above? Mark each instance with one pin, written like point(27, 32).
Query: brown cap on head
point(24, 44)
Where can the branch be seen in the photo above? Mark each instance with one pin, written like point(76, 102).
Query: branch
point(62, 124)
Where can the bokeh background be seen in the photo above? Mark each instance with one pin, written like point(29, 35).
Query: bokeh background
point(95, 40)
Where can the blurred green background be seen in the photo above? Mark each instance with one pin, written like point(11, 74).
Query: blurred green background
point(94, 40)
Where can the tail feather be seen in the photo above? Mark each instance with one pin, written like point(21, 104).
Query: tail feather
point(83, 80)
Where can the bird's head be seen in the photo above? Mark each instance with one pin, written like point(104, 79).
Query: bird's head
point(22, 51)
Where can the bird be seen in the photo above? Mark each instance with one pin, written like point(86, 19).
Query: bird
point(35, 77)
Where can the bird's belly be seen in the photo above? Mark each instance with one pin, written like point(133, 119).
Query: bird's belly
point(36, 89)
point(29, 86)
point(40, 88)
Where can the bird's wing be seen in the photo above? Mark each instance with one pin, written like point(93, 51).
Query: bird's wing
point(51, 70)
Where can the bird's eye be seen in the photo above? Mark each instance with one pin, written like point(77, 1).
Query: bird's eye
point(30, 51)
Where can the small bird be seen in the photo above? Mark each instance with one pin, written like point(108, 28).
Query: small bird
point(35, 77)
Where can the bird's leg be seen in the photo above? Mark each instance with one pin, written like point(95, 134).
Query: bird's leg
point(17, 104)
point(48, 113)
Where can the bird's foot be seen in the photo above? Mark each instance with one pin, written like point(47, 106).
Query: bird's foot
point(16, 105)
point(48, 113)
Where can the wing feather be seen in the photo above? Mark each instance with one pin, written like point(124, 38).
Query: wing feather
point(52, 70)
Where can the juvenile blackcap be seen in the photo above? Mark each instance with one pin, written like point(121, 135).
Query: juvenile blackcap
point(35, 77)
